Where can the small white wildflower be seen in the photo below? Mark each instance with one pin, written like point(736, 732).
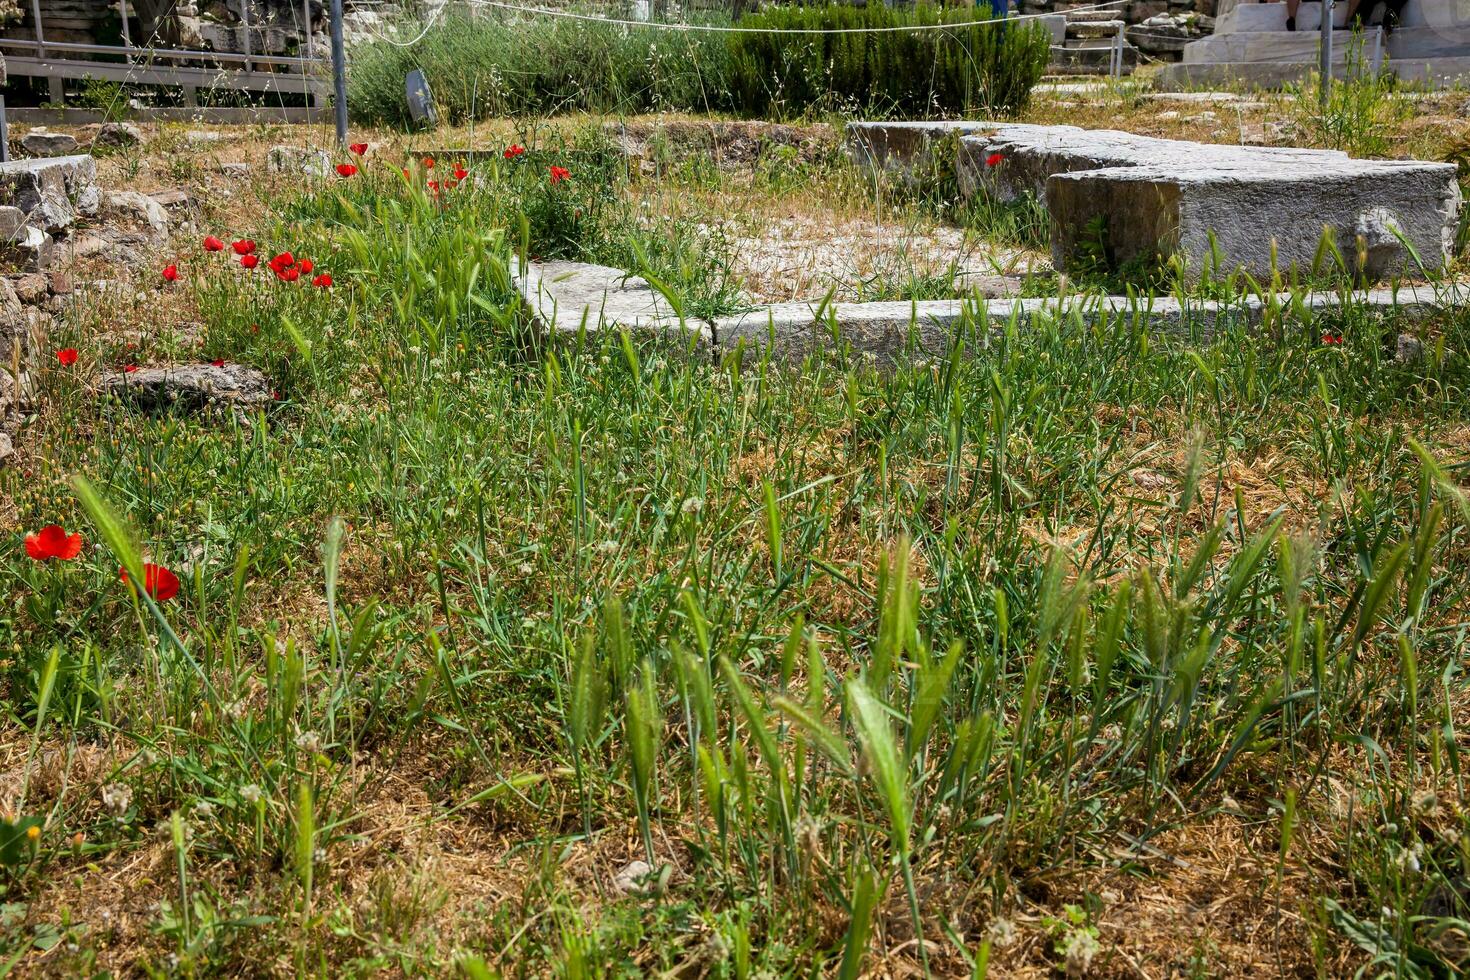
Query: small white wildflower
point(1002, 932)
point(608, 547)
point(1079, 948)
point(526, 568)
point(250, 793)
point(692, 505)
point(117, 797)
point(309, 742)
point(203, 810)
point(528, 623)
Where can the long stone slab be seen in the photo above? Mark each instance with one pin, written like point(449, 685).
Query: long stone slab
point(568, 296)
point(1127, 196)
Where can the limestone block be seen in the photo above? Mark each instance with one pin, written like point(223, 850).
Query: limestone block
point(565, 297)
point(52, 193)
point(1125, 214)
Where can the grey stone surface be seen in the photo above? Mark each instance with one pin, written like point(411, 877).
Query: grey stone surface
point(299, 160)
point(28, 249)
point(116, 136)
point(1150, 213)
point(1169, 33)
point(191, 387)
point(565, 297)
point(53, 193)
point(137, 209)
point(1158, 196)
point(44, 143)
point(890, 331)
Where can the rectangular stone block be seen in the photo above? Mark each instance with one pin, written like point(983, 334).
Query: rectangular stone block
point(1230, 217)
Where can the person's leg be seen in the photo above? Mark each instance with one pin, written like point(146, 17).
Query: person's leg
point(1291, 6)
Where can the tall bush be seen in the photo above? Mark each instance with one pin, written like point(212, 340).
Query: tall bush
point(486, 67)
point(481, 68)
point(920, 73)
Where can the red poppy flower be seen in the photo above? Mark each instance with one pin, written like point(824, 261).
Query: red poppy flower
point(514, 150)
point(460, 173)
point(346, 169)
point(250, 261)
point(358, 148)
point(282, 261)
point(52, 541)
point(67, 356)
point(306, 266)
point(428, 163)
point(130, 368)
point(218, 362)
point(405, 173)
point(212, 244)
point(559, 174)
point(994, 160)
point(1332, 338)
point(290, 275)
point(243, 247)
point(171, 273)
point(160, 583)
point(433, 187)
point(323, 281)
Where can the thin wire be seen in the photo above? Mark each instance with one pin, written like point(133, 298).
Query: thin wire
point(434, 16)
point(717, 29)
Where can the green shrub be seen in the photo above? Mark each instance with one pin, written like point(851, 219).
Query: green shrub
point(486, 67)
point(923, 73)
point(481, 68)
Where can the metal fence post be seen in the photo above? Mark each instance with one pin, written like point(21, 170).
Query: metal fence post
point(1326, 50)
point(339, 74)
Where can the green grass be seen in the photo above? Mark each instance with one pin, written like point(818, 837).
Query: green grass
point(489, 66)
point(848, 655)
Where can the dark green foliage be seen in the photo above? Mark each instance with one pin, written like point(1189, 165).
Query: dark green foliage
point(487, 68)
point(898, 73)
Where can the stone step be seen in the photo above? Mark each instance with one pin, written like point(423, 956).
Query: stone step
point(1089, 16)
point(1092, 29)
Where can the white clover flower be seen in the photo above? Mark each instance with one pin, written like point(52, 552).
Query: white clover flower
point(250, 793)
point(1079, 948)
point(692, 505)
point(117, 797)
point(1002, 932)
point(309, 742)
point(203, 810)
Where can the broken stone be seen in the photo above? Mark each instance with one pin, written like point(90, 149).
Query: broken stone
point(52, 193)
point(192, 387)
point(7, 448)
point(30, 249)
point(633, 879)
point(235, 169)
point(1380, 247)
point(30, 287)
point(137, 209)
point(1168, 33)
point(116, 136)
point(1409, 350)
point(43, 143)
point(172, 199)
point(299, 160)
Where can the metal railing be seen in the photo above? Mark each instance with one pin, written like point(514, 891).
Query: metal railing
point(188, 68)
